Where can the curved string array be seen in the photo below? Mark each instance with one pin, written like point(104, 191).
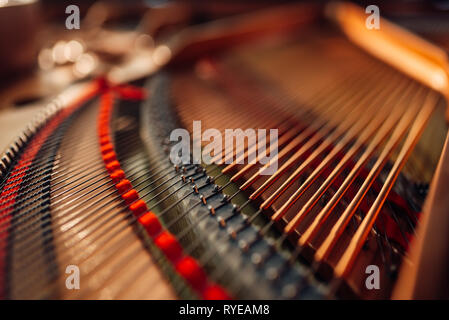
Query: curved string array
point(185, 265)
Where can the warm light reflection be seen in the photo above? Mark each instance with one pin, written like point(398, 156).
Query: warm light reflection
point(85, 64)
point(73, 50)
point(161, 55)
point(45, 59)
point(408, 53)
point(59, 56)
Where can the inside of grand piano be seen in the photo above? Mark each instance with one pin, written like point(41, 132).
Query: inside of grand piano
point(93, 184)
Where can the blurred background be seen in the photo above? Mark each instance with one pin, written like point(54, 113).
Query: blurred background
point(39, 56)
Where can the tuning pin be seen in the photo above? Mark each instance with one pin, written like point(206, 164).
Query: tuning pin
point(233, 234)
point(225, 198)
point(221, 222)
point(199, 169)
